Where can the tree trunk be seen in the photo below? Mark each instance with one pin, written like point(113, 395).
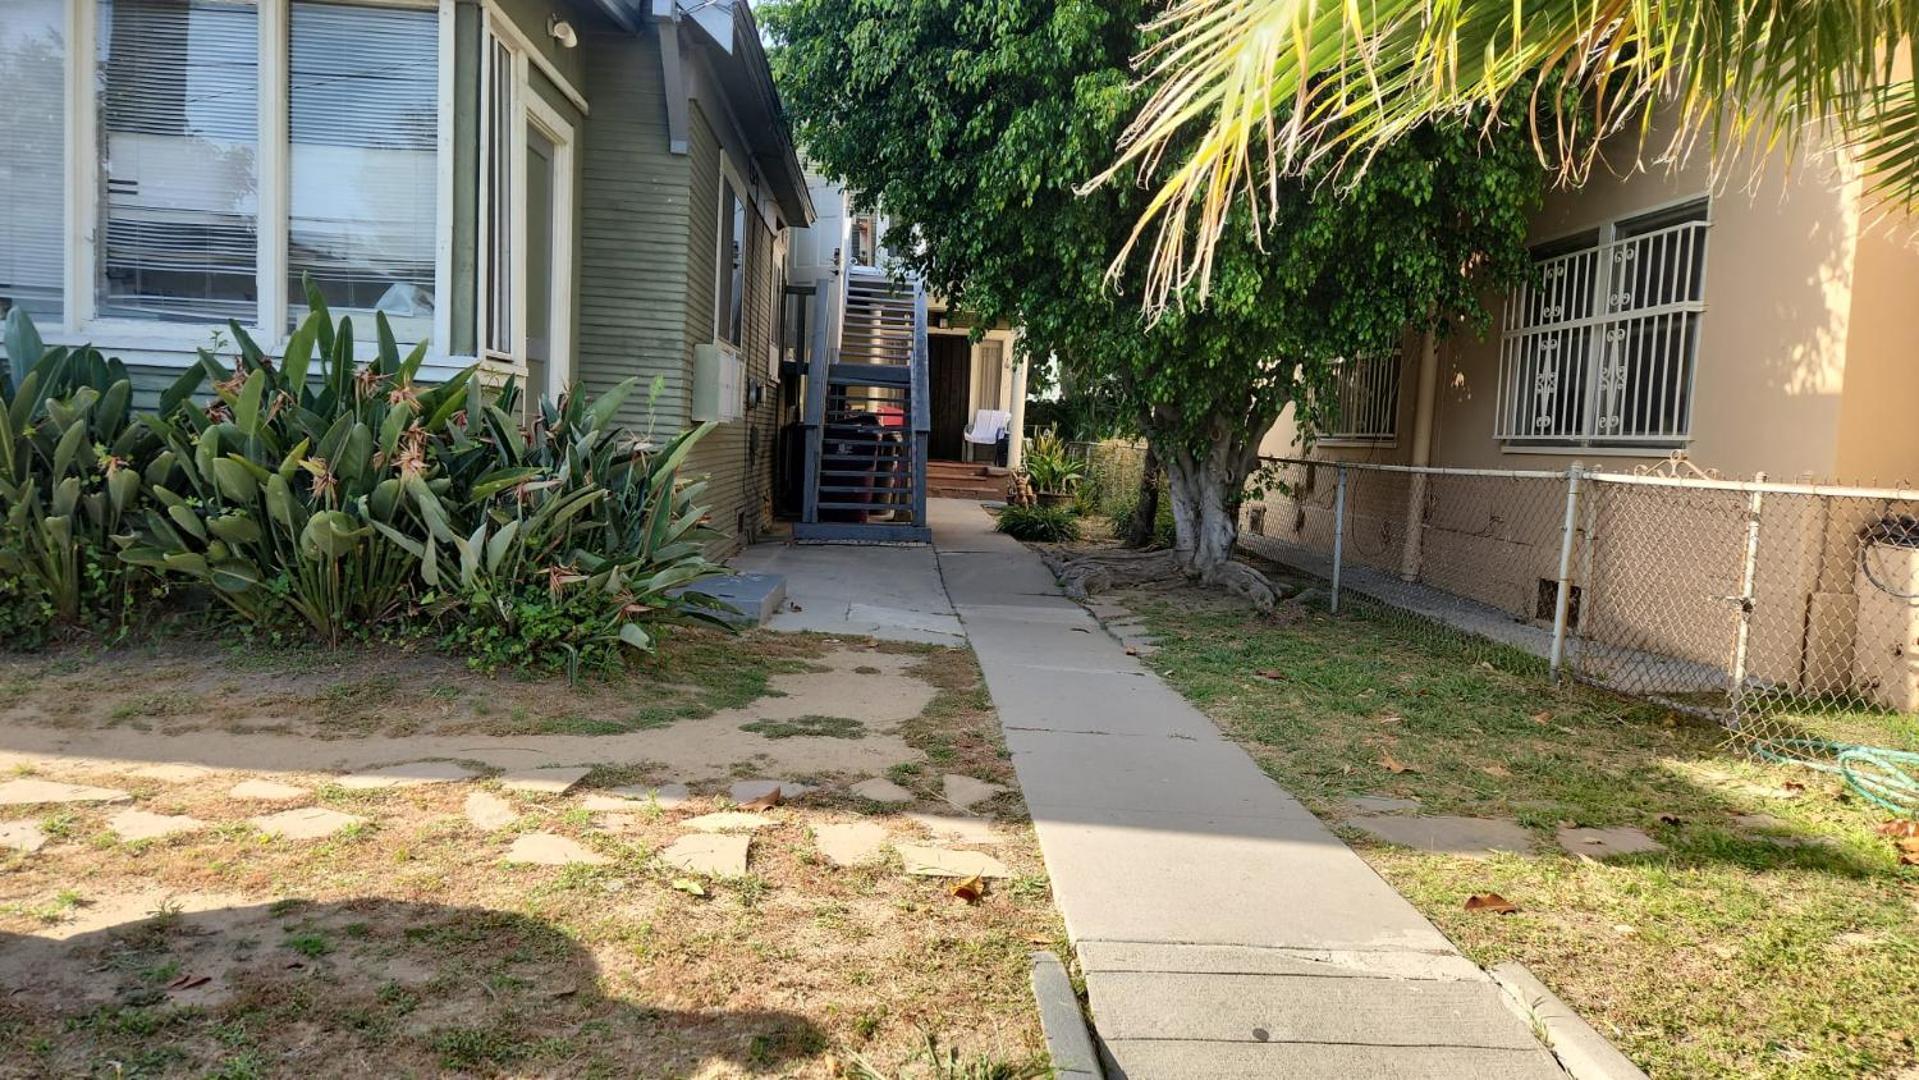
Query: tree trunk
point(1206, 493)
point(1141, 525)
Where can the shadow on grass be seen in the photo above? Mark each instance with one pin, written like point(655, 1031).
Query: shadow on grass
point(370, 987)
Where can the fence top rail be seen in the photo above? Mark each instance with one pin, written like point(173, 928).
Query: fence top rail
point(1588, 473)
point(1424, 470)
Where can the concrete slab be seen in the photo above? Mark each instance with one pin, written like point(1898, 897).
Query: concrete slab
point(744, 600)
point(1467, 837)
point(727, 821)
point(306, 823)
point(967, 792)
point(1380, 804)
point(487, 811)
point(1306, 1009)
point(551, 849)
point(1061, 1020)
point(981, 574)
point(746, 791)
point(1607, 843)
point(850, 844)
point(880, 790)
point(548, 780)
point(896, 590)
point(710, 854)
point(1072, 775)
point(1150, 1059)
point(664, 796)
point(22, 836)
point(268, 791)
point(410, 774)
point(31, 791)
point(1145, 957)
point(171, 772)
point(133, 825)
point(923, 861)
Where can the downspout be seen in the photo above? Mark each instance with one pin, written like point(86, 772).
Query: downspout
point(1422, 454)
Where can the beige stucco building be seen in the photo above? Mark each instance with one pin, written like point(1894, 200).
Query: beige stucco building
point(1766, 327)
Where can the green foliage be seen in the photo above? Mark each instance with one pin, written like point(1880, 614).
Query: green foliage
point(70, 462)
point(976, 126)
point(1039, 524)
point(321, 495)
point(1050, 464)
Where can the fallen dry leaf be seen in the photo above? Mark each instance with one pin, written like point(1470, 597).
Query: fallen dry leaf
point(1130, 651)
point(1909, 851)
point(765, 802)
point(188, 982)
point(1389, 718)
point(689, 886)
point(1899, 827)
point(1271, 675)
point(1491, 903)
point(1393, 765)
point(969, 889)
point(1542, 718)
point(1495, 770)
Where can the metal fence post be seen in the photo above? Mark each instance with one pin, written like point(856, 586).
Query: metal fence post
point(1747, 580)
point(1562, 602)
point(1339, 533)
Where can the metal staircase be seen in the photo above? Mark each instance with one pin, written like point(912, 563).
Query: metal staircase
point(867, 420)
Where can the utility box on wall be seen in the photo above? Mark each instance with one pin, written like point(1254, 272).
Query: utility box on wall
point(719, 384)
point(1886, 648)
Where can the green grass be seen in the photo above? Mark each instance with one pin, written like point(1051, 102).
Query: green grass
point(830, 727)
point(1738, 951)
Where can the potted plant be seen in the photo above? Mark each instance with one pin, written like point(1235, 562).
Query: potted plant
point(1051, 469)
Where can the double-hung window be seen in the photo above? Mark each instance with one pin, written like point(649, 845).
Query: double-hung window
point(187, 162)
point(1600, 347)
point(1365, 400)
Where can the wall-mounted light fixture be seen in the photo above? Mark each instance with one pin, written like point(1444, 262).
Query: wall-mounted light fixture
point(562, 31)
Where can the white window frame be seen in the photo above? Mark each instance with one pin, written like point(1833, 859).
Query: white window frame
point(1368, 388)
point(722, 264)
point(1609, 311)
point(172, 344)
point(559, 304)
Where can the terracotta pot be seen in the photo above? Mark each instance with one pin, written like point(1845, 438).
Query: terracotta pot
point(1055, 498)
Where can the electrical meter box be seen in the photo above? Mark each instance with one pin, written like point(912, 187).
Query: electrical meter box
point(719, 384)
point(1885, 649)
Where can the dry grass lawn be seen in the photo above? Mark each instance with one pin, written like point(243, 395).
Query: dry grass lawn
point(406, 945)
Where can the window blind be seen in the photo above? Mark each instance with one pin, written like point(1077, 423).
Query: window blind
point(363, 168)
point(179, 126)
point(33, 167)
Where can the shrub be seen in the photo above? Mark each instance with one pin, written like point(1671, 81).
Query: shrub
point(1049, 465)
point(71, 459)
point(322, 494)
point(1040, 524)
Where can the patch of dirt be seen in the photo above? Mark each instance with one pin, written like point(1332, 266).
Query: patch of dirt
point(407, 945)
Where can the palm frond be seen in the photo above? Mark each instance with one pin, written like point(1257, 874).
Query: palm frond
point(1244, 93)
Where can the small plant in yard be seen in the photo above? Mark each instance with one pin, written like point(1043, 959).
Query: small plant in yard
point(1050, 466)
point(1039, 524)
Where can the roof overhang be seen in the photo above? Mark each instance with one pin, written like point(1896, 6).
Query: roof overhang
point(725, 29)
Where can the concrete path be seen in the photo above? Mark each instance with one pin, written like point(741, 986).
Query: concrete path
point(883, 591)
point(1223, 931)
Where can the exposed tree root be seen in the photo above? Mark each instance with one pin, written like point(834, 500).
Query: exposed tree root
point(1088, 573)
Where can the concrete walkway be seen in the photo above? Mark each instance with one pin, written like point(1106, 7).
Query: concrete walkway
point(1223, 931)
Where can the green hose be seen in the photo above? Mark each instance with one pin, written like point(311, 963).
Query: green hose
point(1881, 776)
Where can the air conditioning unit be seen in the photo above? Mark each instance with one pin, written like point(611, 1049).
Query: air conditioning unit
point(719, 384)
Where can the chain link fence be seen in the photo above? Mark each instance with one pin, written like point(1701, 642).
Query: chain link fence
point(1787, 613)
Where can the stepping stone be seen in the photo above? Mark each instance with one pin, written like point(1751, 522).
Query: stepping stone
point(964, 791)
point(851, 844)
point(488, 811)
point(132, 824)
point(22, 836)
point(747, 790)
point(30, 792)
point(1468, 837)
point(665, 796)
point(727, 821)
point(964, 828)
point(597, 802)
point(306, 823)
point(943, 862)
point(1606, 843)
point(172, 773)
point(704, 853)
point(411, 774)
point(882, 791)
point(549, 781)
point(551, 849)
point(1757, 821)
point(1380, 804)
point(267, 791)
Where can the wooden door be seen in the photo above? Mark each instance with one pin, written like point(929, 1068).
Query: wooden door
point(949, 358)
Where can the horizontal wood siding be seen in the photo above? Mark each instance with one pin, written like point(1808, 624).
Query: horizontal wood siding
point(634, 240)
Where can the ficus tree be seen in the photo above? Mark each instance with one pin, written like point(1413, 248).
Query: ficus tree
point(976, 126)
